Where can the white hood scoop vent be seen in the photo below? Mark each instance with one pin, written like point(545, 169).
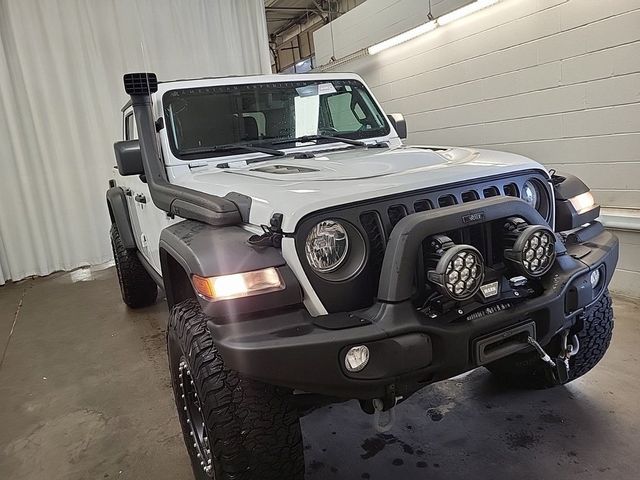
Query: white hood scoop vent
point(283, 169)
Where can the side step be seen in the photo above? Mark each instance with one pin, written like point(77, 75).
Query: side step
point(497, 345)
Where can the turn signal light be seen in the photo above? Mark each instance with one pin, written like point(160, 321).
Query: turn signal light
point(238, 285)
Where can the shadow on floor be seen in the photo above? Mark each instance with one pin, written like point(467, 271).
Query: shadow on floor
point(84, 393)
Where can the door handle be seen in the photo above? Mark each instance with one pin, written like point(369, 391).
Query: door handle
point(140, 198)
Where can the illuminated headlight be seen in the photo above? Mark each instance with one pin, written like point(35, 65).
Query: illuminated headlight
point(459, 272)
point(583, 202)
point(327, 246)
point(531, 194)
point(534, 251)
point(356, 358)
point(238, 285)
point(594, 278)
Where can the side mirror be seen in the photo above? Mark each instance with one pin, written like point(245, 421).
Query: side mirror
point(399, 124)
point(129, 157)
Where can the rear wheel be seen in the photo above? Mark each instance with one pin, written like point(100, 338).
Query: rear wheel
point(526, 370)
point(234, 427)
point(136, 286)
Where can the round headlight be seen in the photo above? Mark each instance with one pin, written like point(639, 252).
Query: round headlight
point(530, 194)
point(327, 246)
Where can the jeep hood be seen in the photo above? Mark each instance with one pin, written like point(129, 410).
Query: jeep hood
point(296, 187)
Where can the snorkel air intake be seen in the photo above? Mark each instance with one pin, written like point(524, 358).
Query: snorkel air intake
point(174, 199)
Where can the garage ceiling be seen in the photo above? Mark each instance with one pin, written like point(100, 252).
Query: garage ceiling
point(284, 14)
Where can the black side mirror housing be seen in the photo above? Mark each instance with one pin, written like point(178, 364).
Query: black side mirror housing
point(399, 124)
point(129, 157)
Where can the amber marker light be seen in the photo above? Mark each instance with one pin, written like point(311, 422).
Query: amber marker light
point(238, 285)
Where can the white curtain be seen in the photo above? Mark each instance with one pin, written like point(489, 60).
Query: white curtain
point(61, 67)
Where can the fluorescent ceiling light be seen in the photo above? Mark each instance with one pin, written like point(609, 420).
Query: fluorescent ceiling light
point(464, 11)
point(403, 37)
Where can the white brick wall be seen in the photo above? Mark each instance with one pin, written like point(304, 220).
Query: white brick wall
point(556, 80)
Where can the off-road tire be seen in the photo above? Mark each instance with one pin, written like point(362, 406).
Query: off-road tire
point(528, 371)
point(136, 286)
point(253, 428)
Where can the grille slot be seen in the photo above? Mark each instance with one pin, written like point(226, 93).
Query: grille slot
point(491, 192)
point(422, 206)
point(372, 225)
point(447, 200)
point(470, 196)
point(511, 190)
point(396, 213)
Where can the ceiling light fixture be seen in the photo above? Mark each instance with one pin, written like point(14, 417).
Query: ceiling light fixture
point(464, 11)
point(431, 25)
point(403, 37)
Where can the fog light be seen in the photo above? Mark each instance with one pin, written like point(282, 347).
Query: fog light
point(356, 358)
point(595, 278)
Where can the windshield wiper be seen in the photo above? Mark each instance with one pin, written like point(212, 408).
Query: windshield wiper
point(233, 146)
point(315, 138)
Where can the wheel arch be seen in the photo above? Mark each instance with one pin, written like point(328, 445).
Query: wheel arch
point(192, 248)
point(119, 214)
point(176, 279)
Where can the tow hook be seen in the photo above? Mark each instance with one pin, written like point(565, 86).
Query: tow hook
point(384, 413)
point(567, 351)
point(383, 419)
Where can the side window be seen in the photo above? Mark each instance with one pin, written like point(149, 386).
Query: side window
point(344, 118)
point(130, 130)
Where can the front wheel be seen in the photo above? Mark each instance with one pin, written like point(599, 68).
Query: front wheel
point(234, 427)
point(526, 370)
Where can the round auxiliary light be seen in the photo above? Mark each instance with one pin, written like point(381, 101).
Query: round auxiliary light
point(327, 246)
point(356, 358)
point(459, 272)
point(534, 251)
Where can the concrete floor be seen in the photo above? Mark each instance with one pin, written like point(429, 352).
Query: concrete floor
point(84, 394)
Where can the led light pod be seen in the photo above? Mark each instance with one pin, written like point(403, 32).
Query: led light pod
point(456, 270)
point(533, 250)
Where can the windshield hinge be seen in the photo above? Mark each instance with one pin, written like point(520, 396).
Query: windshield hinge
point(272, 236)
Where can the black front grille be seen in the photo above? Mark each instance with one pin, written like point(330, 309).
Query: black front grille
point(376, 218)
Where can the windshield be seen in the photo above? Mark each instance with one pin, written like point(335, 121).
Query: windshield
point(204, 118)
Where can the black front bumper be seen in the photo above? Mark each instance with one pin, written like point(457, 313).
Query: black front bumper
point(407, 348)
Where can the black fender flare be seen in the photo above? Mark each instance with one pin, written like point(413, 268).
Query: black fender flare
point(119, 213)
point(211, 251)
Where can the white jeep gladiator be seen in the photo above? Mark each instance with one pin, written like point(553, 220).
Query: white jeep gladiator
point(308, 257)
